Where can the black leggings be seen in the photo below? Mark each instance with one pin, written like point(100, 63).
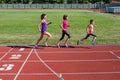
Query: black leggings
point(63, 35)
point(88, 35)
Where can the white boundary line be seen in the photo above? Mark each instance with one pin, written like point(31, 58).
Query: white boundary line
point(61, 52)
point(17, 52)
point(64, 51)
point(73, 73)
point(78, 73)
point(97, 60)
point(23, 64)
point(114, 54)
point(46, 64)
point(6, 53)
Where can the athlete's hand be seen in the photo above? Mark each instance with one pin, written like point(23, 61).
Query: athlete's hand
point(64, 29)
point(39, 30)
point(68, 25)
point(49, 23)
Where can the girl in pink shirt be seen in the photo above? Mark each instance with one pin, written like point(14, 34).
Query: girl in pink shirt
point(64, 26)
point(90, 32)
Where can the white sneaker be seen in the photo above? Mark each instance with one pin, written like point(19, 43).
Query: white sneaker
point(58, 46)
point(35, 46)
point(66, 45)
point(93, 43)
point(45, 44)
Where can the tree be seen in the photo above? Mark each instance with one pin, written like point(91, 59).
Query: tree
point(77, 1)
point(107, 1)
point(94, 1)
point(65, 1)
point(26, 1)
point(13, 1)
point(80, 1)
point(2, 1)
point(38, 1)
point(85, 1)
point(70, 1)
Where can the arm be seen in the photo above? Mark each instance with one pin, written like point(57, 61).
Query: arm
point(49, 23)
point(61, 26)
point(68, 25)
point(39, 27)
point(87, 29)
point(94, 26)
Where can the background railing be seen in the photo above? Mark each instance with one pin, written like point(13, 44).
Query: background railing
point(50, 6)
point(110, 8)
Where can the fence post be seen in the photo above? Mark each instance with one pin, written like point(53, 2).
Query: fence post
point(106, 7)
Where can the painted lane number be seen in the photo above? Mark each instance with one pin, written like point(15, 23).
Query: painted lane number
point(6, 67)
point(15, 56)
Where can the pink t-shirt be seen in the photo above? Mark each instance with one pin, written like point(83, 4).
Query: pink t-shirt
point(90, 29)
point(65, 25)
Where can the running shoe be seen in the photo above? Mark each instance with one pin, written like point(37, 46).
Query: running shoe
point(66, 45)
point(45, 44)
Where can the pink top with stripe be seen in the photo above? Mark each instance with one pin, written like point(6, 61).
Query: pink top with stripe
point(90, 29)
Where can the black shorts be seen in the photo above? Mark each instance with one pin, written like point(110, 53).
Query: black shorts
point(88, 35)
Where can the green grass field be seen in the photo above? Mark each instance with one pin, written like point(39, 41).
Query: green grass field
point(20, 26)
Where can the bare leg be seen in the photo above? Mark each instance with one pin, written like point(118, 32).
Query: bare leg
point(68, 35)
point(48, 37)
point(41, 37)
point(58, 42)
point(66, 40)
point(62, 37)
point(94, 38)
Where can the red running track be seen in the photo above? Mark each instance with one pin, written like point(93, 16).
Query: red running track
point(46, 63)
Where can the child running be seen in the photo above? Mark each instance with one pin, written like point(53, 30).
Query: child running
point(90, 32)
point(64, 26)
point(43, 23)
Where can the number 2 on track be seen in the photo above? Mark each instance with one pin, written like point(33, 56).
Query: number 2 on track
point(15, 56)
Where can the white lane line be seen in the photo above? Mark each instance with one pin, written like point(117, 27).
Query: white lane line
point(114, 54)
point(23, 64)
point(55, 73)
point(61, 52)
point(79, 73)
point(74, 52)
point(99, 60)
point(6, 53)
point(96, 60)
point(1, 79)
point(73, 73)
point(65, 52)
